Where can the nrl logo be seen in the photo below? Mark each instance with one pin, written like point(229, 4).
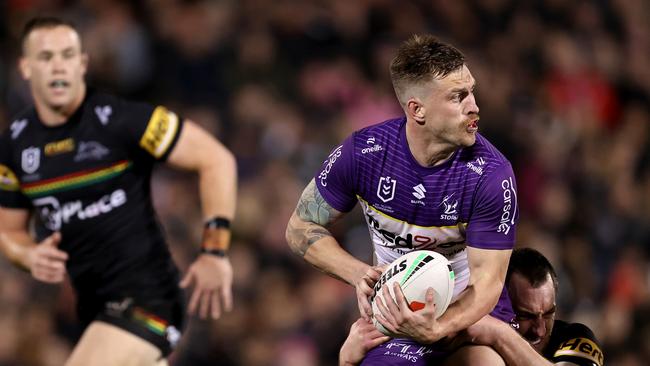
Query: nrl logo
point(31, 159)
point(386, 188)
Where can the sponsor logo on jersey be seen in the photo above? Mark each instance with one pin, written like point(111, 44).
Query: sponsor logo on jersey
point(476, 169)
point(160, 132)
point(173, 336)
point(331, 159)
point(509, 206)
point(90, 150)
point(582, 348)
point(31, 159)
point(17, 127)
point(8, 180)
point(386, 188)
point(54, 214)
point(372, 149)
point(104, 113)
point(392, 239)
point(59, 147)
point(418, 191)
point(450, 211)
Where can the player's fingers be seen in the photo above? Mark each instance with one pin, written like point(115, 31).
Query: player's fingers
point(365, 306)
point(400, 300)
point(373, 273)
point(386, 324)
point(384, 310)
point(226, 296)
point(374, 342)
point(215, 310)
point(53, 253)
point(52, 240)
point(430, 304)
point(204, 304)
point(187, 280)
point(389, 300)
point(194, 301)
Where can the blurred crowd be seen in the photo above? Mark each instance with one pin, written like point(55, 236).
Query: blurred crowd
point(564, 92)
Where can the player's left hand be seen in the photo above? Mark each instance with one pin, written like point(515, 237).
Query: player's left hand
point(211, 278)
point(396, 316)
point(362, 338)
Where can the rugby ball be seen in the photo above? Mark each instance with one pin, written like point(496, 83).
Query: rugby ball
point(416, 272)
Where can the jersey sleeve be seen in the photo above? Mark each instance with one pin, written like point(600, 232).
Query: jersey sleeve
point(579, 346)
point(335, 180)
point(494, 212)
point(153, 131)
point(10, 193)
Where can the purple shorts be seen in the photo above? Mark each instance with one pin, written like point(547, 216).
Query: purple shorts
point(401, 351)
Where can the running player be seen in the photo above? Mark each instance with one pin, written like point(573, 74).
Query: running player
point(424, 181)
point(539, 338)
point(82, 161)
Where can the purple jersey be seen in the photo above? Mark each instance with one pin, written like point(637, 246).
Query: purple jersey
point(468, 200)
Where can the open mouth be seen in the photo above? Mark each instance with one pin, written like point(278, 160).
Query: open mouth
point(59, 84)
point(472, 126)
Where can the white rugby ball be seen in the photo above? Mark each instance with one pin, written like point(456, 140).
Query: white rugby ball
point(416, 272)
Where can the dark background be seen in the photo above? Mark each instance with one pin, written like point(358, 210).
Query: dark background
point(563, 87)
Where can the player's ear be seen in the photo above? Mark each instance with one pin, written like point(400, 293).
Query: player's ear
point(23, 66)
point(416, 110)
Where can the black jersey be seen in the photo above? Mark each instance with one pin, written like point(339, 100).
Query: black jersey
point(90, 179)
point(573, 342)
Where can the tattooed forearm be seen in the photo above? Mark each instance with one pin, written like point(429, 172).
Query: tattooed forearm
point(307, 224)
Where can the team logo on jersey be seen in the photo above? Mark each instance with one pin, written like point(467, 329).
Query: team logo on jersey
point(8, 180)
point(582, 348)
point(104, 113)
point(59, 147)
point(450, 208)
point(386, 189)
point(31, 159)
point(90, 150)
point(160, 132)
point(17, 127)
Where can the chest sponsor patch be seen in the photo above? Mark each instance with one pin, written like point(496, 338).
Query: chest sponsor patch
point(581, 347)
point(59, 147)
point(160, 132)
point(8, 180)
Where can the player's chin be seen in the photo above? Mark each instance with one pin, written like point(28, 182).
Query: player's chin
point(468, 139)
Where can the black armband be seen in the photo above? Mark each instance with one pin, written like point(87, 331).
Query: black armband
point(217, 223)
point(216, 252)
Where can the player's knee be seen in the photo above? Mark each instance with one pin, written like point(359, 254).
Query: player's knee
point(475, 355)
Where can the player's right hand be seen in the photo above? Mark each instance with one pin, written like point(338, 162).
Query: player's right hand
point(46, 261)
point(364, 287)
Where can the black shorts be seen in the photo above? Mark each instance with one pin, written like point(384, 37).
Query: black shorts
point(158, 320)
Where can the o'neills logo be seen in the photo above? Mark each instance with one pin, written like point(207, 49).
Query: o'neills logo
point(509, 206)
point(373, 149)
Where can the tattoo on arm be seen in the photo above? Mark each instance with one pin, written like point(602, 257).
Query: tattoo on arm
point(314, 214)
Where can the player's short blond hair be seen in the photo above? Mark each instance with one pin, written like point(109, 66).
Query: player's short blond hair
point(420, 59)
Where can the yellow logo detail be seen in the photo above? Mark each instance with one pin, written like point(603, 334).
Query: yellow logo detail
point(581, 347)
point(8, 180)
point(160, 132)
point(59, 147)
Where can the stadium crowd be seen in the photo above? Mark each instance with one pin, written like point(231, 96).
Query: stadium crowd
point(564, 92)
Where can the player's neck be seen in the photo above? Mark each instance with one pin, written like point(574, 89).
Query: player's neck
point(427, 150)
point(53, 117)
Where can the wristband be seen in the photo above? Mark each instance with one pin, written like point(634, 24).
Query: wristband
point(217, 223)
point(216, 252)
point(216, 235)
